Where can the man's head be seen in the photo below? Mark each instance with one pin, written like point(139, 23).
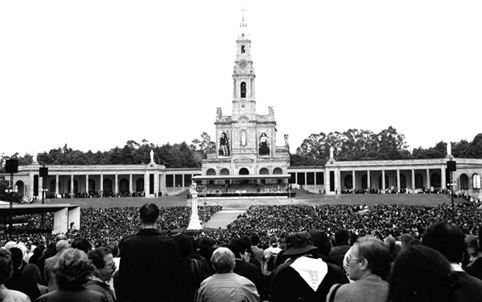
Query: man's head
point(223, 260)
point(149, 213)
point(255, 240)
point(341, 237)
point(473, 248)
point(61, 245)
point(321, 241)
point(103, 261)
point(82, 244)
point(447, 239)
point(369, 256)
point(238, 247)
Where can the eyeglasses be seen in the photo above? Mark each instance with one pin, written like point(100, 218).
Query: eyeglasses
point(111, 265)
point(357, 259)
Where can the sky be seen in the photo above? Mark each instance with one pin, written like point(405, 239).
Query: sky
point(95, 74)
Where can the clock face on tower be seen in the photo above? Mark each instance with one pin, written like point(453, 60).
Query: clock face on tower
point(242, 64)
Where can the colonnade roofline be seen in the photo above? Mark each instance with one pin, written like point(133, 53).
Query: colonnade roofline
point(401, 163)
point(84, 168)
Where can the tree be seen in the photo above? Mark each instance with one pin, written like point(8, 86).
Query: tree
point(474, 150)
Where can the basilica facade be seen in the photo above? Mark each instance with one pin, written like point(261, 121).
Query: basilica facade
point(247, 151)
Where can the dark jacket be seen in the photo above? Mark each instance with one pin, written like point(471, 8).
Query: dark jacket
point(287, 284)
point(475, 269)
point(83, 295)
point(102, 288)
point(150, 267)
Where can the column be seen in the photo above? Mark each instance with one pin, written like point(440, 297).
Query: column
point(413, 179)
point(57, 184)
point(146, 183)
point(163, 183)
point(72, 184)
point(369, 183)
point(296, 177)
point(156, 183)
point(428, 180)
point(306, 179)
point(252, 88)
point(353, 181)
point(443, 177)
point(130, 183)
point(87, 183)
point(383, 181)
point(183, 185)
point(327, 180)
point(101, 184)
point(31, 180)
point(337, 180)
point(398, 180)
point(174, 180)
point(116, 186)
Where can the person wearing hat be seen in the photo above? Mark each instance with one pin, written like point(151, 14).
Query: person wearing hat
point(304, 276)
point(369, 263)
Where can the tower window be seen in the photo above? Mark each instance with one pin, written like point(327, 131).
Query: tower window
point(243, 49)
point(243, 90)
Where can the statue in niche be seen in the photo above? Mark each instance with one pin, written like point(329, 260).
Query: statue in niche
point(243, 138)
point(219, 112)
point(271, 110)
point(263, 144)
point(224, 145)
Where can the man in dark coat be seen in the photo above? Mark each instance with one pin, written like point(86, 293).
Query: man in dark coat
point(150, 267)
point(450, 241)
point(304, 276)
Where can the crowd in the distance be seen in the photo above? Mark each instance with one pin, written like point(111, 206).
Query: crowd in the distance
point(270, 253)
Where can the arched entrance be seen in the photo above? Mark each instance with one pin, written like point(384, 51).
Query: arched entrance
point(418, 181)
point(211, 172)
point(364, 181)
point(435, 180)
point(348, 182)
point(476, 181)
point(403, 181)
point(107, 185)
point(20, 187)
point(140, 185)
point(52, 186)
point(224, 171)
point(464, 182)
point(124, 186)
point(277, 171)
point(263, 171)
point(243, 171)
point(91, 186)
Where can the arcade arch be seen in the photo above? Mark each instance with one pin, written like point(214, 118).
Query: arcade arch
point(464, 182)
point(211, 172)
point(224, 171)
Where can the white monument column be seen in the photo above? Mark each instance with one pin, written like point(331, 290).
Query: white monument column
point(194, 223)
point(87, 183)
point(130, 183)
point(353, 181)
point(101, 184)
point(156, 183)
point(116, 183)
point(444, 178)
point(413, 179)
point(57, 184)
point(72, 184)
point(428, 180)
point(398, 180)
point(369, 184)
point(383, 182)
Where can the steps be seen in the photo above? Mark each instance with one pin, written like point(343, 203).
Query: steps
point(222, 218)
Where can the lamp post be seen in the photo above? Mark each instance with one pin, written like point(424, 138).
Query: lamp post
point(43, 172)
point(11, 166)
point(451, 168)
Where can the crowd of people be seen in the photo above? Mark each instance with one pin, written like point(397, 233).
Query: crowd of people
point(312, 254)
point(222, 189)
point(271, 253)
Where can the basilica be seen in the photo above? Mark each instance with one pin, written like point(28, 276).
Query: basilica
point(248, 161)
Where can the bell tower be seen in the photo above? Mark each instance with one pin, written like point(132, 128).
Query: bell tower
point(244, 103)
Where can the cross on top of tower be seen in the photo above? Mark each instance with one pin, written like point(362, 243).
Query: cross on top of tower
point(243, 24)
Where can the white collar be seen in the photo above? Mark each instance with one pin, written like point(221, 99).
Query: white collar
point(456, 267)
